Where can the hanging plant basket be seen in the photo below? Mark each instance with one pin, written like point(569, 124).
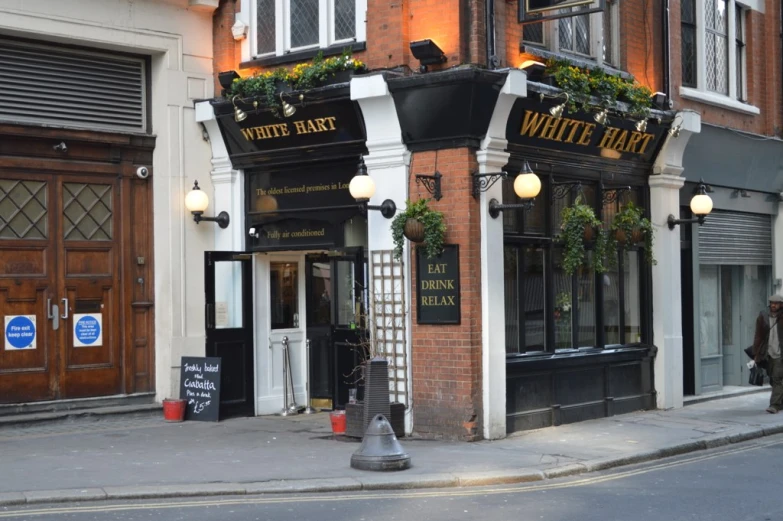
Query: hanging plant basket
point(636, 236)
point(580, 227)
point(630, 227)
point(413, 230)
point(590, 233)
point(434, 229)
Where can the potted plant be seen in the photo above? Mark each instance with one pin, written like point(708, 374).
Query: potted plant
point(630, 226)
point(579, 226)
point(427, 226)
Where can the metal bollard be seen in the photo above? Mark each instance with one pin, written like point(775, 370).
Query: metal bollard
point(308, 409)
point(286, 410)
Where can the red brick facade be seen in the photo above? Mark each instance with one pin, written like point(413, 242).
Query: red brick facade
point(447, 359)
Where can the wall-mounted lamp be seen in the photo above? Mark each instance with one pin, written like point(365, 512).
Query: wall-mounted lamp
point(197, 202)
point(362, 188)
point(602, 117)
point(239, 114)
point(288, 109)
point(641, 125)
point(527, 186)
point(431, 183)
point(674, 131)
point(427, 52)
point(701, 206)
point(557, 110)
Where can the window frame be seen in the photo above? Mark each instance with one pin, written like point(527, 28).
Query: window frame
point(700, 92)
point(326, 29)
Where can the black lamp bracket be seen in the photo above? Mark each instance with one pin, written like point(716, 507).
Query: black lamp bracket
point(612, 194)
point(560, 190)
point(483, 182)
point(673, 221)
point(222, 218)
point(495, 207)
point(387, 208)
point(431, 183)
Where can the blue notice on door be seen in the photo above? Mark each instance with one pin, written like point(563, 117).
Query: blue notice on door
point(19, 332)
point(87, 329)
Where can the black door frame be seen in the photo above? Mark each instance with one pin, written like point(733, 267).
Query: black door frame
point(237, 374)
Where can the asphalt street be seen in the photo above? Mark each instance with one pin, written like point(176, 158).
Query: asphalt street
point(733, 483)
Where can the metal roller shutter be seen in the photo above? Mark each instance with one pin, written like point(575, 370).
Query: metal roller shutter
point(56, 86)
point(736, 238)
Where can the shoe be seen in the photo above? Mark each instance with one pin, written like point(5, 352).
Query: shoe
point(772, 410)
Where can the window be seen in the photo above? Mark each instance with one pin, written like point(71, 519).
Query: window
point(548, 310)
point(713, 52)
point(592, 36)
point(283, 26)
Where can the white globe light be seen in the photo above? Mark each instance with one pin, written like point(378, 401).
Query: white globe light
point(701, 204)
point(527, 186)
point(362, 187)
point(197, 200)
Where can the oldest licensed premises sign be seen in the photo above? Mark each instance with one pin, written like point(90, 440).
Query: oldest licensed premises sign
point(437, 287)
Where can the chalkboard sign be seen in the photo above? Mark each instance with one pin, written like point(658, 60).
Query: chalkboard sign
point(437, 287)
point(200, 386)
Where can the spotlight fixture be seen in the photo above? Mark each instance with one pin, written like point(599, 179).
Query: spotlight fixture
point(226, 79)
point(288, 109)
point(239, 114)
point(534, 69)
point(428, 53)
point(660, 100)
point(641, 125)
point(602, 117)
point(557, 110)
point(674, 131)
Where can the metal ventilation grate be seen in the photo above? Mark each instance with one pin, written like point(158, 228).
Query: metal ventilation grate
point(40, 84)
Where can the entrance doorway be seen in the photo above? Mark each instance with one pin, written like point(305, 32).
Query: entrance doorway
point(60, 251)
point(229, 328)
point(336, 324)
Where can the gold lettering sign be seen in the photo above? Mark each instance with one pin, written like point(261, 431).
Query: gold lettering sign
point(278, 130)
point(566, 130)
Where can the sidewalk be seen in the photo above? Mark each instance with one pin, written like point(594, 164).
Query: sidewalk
point(145, 457)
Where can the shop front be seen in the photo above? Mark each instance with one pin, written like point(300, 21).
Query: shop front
point(729, 264)
point(578, 338)
point(293, 296)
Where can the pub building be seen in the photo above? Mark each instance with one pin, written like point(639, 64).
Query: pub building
point(490, 338)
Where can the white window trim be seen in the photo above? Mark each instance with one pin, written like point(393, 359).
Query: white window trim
point(247, 15)
point(701, 93)
point(718, 100)
point(552, 37)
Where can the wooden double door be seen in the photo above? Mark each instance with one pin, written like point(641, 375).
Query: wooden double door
point(60, 294)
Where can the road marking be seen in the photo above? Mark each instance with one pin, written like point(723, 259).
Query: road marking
point(391, 495)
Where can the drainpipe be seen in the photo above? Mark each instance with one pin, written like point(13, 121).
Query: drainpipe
point(492, 60)
point(667, 73)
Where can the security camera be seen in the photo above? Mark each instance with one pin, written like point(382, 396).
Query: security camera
point(142, 172)
point(252, 232)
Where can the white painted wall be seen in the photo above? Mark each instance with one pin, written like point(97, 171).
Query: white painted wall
point(177, 36)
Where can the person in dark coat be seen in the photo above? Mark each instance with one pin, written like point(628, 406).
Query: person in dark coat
point(767, 349)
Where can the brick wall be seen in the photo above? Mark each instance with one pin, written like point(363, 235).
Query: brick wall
point(227, 52)
point(446, 359)
point(763, 53)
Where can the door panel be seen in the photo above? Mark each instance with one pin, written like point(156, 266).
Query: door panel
point(89, 267)
point(229, 328)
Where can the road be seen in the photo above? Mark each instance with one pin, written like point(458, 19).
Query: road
point(735, 483)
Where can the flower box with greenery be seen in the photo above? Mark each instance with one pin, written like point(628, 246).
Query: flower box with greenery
point(319, 72)
point(578, 225)
point(584, 85)
point(431, 220)
point(630, 226)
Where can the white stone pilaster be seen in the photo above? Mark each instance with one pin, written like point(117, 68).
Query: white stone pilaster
point(492, 157)
point(665, 185)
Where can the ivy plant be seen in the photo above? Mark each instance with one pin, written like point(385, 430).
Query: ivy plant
point(574, 220)
point(434, 228)
point(631, 219)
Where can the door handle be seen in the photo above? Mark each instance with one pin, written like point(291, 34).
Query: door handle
point(64, 301)
point(53, 314)
point(49, 313)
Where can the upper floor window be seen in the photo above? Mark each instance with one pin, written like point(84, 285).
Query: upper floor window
point(279, 27)
point(713, 51)
point(589, 36)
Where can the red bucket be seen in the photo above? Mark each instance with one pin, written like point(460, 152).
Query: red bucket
point(174, 410)
point(338, 422)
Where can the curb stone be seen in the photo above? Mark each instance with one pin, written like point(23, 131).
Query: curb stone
point(53, 496)
point(398, 482)
point(12, 498)
point(303, 485)
point(477, 479)
point(572, 469)
point(184, 490)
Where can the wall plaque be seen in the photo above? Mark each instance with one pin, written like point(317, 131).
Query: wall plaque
point(437, 287)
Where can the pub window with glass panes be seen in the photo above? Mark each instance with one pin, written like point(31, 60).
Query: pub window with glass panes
point(713, 47)
point(585, 36)
point(283, 26)
point(548, 310)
